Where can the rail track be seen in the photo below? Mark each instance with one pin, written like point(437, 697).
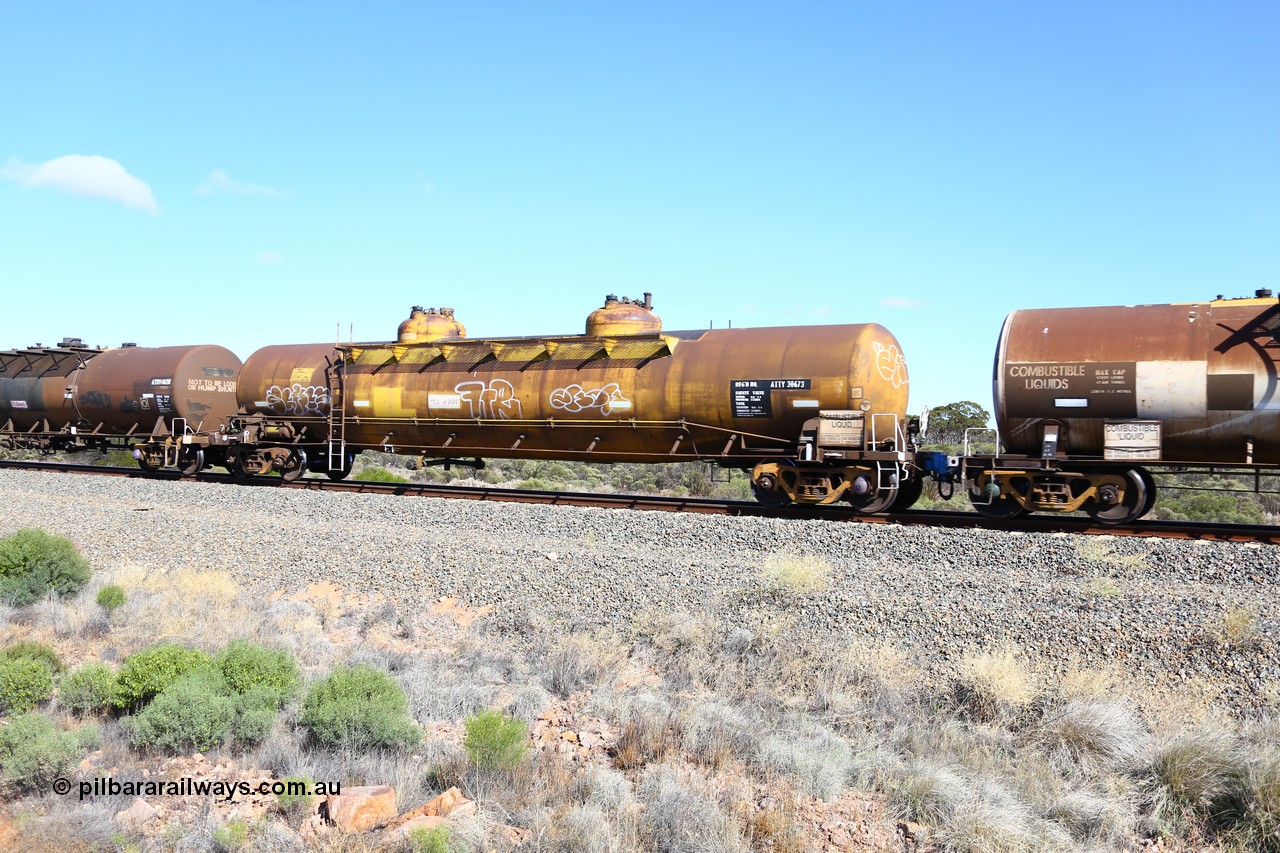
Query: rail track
point(1267, 534)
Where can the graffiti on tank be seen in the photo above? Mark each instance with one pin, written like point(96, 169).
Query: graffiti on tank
point(890, 363)
point(575, 398)
point(298, 399)
point(495, 399)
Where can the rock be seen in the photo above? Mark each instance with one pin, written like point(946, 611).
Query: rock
point(312, 828)
point(137, 815)
point(362, 807)
point(449, 804)
point(403, 830)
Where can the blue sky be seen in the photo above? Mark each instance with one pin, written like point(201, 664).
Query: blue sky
point(247, 173)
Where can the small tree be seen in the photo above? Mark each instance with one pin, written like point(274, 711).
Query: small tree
point(948, 423)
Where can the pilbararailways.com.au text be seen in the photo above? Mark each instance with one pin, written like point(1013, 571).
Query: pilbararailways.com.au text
point(188, 787)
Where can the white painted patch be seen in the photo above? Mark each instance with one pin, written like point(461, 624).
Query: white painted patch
point(804, 404)
point(444, 401)
point(361, 404)
point(18, 404)
point(1071, 402)
point(1171, 389)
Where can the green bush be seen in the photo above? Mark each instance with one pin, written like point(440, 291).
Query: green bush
point(33, 753)
point(433, 840)
point(33, 563)
point(24, 683)
point(295, 806)
point(195, 711)
point(34, 651)
point(255, 713)
point(231, 836)
point(92, 687)
point(494, 741)
point(111, 596)
point(378, 475)
point(146, 673)
point(251, 667)
point(358, 707)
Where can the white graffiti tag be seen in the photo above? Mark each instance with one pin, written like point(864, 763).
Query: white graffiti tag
point(298, 399)
point(575, 398)
point(495, 400)
point(890, 363)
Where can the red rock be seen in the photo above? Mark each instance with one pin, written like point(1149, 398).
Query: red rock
point(137, 815)
point(362, 807)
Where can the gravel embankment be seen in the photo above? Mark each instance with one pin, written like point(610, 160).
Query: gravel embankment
point(936, 594)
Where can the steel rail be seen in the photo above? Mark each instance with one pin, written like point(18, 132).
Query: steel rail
point(1267, 534)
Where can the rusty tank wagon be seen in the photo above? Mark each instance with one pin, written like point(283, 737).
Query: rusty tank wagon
point(1087, 399)
point(163, 403)
point(816, 413)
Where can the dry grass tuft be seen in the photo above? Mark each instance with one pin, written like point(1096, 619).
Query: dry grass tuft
point(994, 686)
point(648, 733)
point(678, 818)
point(1199, 775)
point(1239, 627)
point(789, 574)
point(1095, 734)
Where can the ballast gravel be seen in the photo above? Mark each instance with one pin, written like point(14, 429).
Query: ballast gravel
point(1168, 613)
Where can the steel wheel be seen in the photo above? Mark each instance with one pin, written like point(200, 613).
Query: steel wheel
point(881, 499)
point(145, 465)
point(191, 462)
point(1129, 505)
point(999, 507)
point(348, 462)
point(908, 494)
point(295, 466)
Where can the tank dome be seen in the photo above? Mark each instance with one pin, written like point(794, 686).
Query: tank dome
point(429, 324)
point(624, 317)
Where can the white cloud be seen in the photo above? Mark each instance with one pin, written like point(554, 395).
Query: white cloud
point(901, 302)
point(88, 176)
point(270, 258)
point(220, 182)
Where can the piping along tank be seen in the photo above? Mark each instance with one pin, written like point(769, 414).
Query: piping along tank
point(118, 391)
point(1186, 382)
point(624, 391)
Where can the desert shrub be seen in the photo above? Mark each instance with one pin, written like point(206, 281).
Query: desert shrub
point(92, 687)
point(494, 741)
point(24, 683)
point(250, 667)
point(33, 752)
point(195, 711)
point(358, 707)
point(146, 673)
point(34, 651)
point(110, 597)
point(34, 563)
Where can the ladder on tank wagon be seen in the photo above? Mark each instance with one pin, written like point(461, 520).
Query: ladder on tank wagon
point(337, 450)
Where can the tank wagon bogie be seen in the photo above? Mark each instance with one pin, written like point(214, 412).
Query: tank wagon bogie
point(816, 413)
point(164, 403)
